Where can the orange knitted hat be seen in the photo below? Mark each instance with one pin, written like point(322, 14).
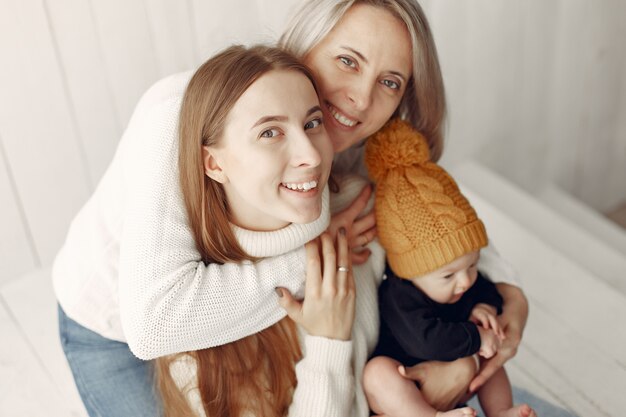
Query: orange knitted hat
point(423, 220)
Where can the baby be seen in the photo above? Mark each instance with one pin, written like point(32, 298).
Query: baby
point(434, 304)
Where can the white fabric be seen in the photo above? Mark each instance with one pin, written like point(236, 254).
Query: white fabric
point(330, 373)
point(129, 269)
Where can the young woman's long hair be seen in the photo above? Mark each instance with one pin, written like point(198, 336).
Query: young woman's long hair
point(424, 101)
point(255, 374)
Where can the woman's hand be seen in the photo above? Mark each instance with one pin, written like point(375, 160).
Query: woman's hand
point(360, 231)
point(443, 384)
point(489, 342)
point(512, 321)
point(329, 295)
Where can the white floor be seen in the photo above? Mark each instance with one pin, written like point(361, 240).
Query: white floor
point(34, 377)
point(573, 352)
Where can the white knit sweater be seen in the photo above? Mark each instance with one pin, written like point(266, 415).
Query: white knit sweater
point(330, 373)
point(129, 269)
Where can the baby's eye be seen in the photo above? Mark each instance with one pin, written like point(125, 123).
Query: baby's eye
point(313, 123)
point(391, 84)
point(347, 61)
point(270, 133)
point(448, 276)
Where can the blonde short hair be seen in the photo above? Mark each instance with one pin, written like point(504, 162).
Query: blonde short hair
point(424, 102)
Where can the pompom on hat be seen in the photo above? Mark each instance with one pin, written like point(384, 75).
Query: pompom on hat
point(423, 220)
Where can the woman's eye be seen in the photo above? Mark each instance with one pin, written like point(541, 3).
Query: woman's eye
point(270, 133)
point(347, 61)
point(313, 123)
point(391, 84)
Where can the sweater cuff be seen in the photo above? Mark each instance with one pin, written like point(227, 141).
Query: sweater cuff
point(328, 355)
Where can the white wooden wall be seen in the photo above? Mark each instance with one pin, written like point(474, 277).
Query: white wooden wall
point(537, 90)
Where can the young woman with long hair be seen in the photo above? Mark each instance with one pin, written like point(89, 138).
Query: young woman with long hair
point(257, 106)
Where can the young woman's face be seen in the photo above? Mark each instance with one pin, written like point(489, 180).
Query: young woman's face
point(362, 68)
point(447, 284)
point(274, 156)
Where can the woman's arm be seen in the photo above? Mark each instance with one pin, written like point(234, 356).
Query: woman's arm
point(514, 314)
point(437, 375)
point(325, 379)
point(513, 320)
point(170, 301)
point(409, 324)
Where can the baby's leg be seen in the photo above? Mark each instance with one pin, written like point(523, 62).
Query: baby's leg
point(496, 398)
point(390, 394)
point(444, 384)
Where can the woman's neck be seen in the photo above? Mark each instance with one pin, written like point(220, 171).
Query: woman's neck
point(261, 244)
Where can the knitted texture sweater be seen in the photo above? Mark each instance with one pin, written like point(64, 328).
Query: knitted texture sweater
point(330, 372)
point(129, 269)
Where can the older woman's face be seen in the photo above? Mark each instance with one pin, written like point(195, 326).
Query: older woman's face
point(362, 68)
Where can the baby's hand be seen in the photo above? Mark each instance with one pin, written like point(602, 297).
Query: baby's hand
point(489, 342)
point(485, 315)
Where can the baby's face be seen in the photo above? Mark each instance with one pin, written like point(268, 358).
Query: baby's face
point(447, 284)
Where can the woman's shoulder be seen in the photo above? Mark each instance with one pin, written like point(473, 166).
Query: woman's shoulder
point(166, 89)
point(156, 114)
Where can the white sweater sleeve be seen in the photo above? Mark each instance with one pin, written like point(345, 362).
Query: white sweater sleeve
point(169, 300)
point(325, 379)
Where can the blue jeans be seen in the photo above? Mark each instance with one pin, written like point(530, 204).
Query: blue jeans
point(111, 381)
point(541, 406)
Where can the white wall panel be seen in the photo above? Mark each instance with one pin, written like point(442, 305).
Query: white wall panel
point(601, 98)
point(128, 51)
point(536, 89)
point(219, 25)
point(588, 71)
point(492, 74)
point(172, 34)
point(273, 17)
point(84, 72)
point(17, 256)
point(36, 126)
point(572, 44)
point(447, 19)
point(617, 166)
point(536, 95)
point(518, 80)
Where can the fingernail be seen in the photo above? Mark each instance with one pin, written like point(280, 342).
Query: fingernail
point(279, 291)
point(342, 231)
